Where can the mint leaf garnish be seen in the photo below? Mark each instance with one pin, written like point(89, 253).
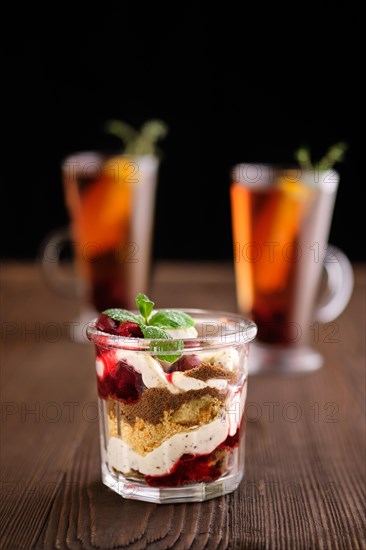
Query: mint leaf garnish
point(145, 307)
point(164, 343)
point(153, 332)
point(171, 319)
point(122, 315)
point(154, 327)
point(168, 346)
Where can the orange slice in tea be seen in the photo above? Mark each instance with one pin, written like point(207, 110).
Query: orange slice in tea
point(106, 208)
point(276, 230)
point(240, 211)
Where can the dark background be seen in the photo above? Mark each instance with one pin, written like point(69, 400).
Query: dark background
point(231, 88)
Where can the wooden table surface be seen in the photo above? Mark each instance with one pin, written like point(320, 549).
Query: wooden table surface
point(304, 483)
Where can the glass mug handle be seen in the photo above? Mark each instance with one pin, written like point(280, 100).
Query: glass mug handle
point(339, 285)
point(58, 278)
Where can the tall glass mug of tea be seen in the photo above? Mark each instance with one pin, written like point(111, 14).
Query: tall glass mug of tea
point(280, 220)
point(110, 199)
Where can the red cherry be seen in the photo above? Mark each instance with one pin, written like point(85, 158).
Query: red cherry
point(129, 329)
point(184, 363)
point(125, 383)
point(106, 324)
point(120, 380)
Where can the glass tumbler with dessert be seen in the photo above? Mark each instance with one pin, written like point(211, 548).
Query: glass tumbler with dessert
point(172, 387)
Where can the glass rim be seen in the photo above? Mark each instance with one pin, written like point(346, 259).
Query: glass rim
point(281, 166)
point(244, 332)
point(267, 175)
point(102, 155)
point(263, 176)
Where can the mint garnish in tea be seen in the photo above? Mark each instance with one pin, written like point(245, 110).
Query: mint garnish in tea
point(158, 326)
point(332, 156)
point(138, 142)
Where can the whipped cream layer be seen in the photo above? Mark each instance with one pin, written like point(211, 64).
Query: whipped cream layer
point(227, 358)
point(182, 333)
point(154, 376)
point(161, 460)
point(198, 441)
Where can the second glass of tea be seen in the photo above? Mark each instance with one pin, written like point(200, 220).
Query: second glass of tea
point(281, 219)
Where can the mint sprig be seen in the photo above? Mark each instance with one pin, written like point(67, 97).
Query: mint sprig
point(154, 332)
point(154, 326)
point(122, 315)
point(332, 156)
point(138, 142)
point(163, 344)
point(145, 307)
point(171, 319)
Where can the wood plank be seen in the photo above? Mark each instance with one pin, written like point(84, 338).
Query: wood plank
point(305, 480)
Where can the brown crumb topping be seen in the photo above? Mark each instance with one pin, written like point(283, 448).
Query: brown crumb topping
point(205, 372)
point(155, 401)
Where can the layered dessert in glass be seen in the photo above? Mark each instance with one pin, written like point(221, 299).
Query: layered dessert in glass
point(172, 387)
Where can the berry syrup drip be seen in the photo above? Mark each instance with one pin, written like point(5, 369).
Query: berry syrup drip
point(195, 468)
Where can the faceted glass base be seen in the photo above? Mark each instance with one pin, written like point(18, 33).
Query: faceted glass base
point(198, 492)
point(265, 358)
